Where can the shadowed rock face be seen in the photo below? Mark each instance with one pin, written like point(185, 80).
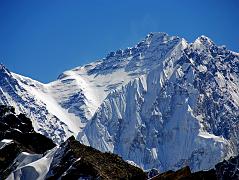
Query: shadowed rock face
point(74, 160)
point(19, 128)
point(17, 135)
point(228, 169)
point(185, 174)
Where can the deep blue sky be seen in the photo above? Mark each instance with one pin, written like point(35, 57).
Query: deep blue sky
point(42, 38)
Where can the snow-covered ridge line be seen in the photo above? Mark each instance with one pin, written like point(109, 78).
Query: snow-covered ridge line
point(141, 100)
point(73, 99)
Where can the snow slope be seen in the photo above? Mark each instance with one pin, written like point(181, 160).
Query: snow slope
point(32, 168)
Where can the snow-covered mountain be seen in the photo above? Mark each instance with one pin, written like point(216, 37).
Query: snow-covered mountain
point(183, 112)
point(164, 103)
point(71, 100)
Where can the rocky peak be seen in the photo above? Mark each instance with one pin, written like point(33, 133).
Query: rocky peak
point(228, 169)
point(4, 71)
point(17, 135)
point(203, 43)
point(74, 160)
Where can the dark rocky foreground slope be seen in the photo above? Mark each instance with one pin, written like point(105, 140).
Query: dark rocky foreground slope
point(74, 160)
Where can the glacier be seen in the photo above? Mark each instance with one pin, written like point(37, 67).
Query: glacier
point(164, 103)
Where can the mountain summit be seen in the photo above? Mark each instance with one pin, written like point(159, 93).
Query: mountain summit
point(164, 103)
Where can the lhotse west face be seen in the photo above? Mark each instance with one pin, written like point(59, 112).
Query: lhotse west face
point(164, 103)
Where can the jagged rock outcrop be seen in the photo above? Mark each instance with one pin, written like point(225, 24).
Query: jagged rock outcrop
point(16, 136)
point(73, 160)
point(226, 170)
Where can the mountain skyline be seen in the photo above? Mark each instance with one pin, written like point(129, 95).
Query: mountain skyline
point(119, 89)
point(41, 40)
